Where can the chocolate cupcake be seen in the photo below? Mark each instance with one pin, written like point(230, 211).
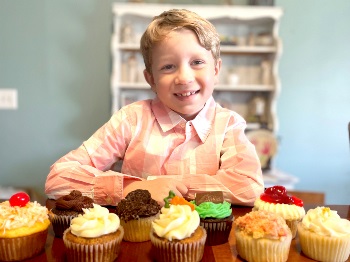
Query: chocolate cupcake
point(66, 208)
point(137, 212)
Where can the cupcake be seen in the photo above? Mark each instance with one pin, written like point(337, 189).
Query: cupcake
point(23, 228)
point(176, 235)
point(94, 236)
point(262, 236)
point(137, 212)
point(324, 236)
point(66, 208)
point(215, 216)
point(276, 199)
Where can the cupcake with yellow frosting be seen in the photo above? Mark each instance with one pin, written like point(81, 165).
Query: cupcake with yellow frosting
point(23, 228)
point(324, 236)
point(277, 200)
point(94, 236)
point(215, 216)
point(262, 236)
point(176, 235)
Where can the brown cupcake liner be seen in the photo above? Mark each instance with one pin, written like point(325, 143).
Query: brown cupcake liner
point(179, 251)
point(60, 223)
point(20, 248)
point(218, 232)
point(97, 252)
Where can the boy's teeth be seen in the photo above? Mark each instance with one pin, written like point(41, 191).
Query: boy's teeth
point(186, 94)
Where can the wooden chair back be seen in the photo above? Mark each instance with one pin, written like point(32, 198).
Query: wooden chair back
point(309, 197)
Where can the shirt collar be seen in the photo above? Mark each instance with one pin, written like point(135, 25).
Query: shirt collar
point(168, 119)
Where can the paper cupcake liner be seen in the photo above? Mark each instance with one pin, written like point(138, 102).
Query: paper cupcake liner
point(20, 248)
point(323, 248)
point(217, 231)
point(97, 252)
point(138, 230)
point(189, 250)
point(293, 226)
point(262, 249)
point(60, 223)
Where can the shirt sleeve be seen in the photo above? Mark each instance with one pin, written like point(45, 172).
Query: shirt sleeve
point(239, 176)
point(89, 168)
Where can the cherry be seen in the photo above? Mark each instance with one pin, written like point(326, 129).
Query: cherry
point(19, 199)
point(297, 201)
point(278, 195)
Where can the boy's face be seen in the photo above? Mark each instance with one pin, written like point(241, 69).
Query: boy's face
point(183, 73)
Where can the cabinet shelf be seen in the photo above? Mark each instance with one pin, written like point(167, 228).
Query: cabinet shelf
point(257, 88)
point(229, 49)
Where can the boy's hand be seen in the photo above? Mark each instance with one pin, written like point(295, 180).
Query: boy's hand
point(159, 188)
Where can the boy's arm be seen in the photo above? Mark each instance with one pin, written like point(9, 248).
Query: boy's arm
point(89, 168)
point(239, 175)
point(76, 171)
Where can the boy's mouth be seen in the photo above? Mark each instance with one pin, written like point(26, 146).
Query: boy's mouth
point(187, 93)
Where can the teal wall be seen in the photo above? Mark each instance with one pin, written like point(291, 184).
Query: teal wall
point(57, 55)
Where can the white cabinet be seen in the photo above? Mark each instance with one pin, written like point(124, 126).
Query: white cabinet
point(250, 50)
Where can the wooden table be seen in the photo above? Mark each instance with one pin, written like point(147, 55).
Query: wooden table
point(55, 250)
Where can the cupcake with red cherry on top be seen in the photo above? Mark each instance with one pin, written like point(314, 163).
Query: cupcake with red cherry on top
point(277, 200)
point(23, 228)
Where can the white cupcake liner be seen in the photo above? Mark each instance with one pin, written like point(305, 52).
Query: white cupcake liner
point(323, 248)
point(293, 226)
point(138, 230)
point(262, 249)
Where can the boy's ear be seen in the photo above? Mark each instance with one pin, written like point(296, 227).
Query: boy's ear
point(217, 70)
point(149, 78)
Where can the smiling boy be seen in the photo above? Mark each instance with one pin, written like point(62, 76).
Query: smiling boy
point(181, 133)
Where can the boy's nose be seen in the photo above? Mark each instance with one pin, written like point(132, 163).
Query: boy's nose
point(184, 76)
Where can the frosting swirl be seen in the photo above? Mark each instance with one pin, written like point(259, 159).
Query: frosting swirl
point(95, 222)
point(75, 201)
point(212, 210)
point(288, 212)
point(177, 222)
point(137, 204)
point(326, 222)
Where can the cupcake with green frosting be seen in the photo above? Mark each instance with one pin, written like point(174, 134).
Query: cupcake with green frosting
point(215, 216)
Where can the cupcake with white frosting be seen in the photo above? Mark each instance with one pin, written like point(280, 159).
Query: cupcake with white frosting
point(177, 236)
point(94, 236)
point(324, 235)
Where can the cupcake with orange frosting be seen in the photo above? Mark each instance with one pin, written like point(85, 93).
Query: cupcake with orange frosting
point(262, 236)
point(94, 236)
point(23, 228)
point(176, 235)
point(66, 208)
point(277, 200)
point(324, 235)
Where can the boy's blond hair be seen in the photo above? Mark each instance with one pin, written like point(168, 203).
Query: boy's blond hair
point(176, 19)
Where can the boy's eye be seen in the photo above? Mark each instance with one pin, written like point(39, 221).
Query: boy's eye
point(167, 67)
point(198, 62)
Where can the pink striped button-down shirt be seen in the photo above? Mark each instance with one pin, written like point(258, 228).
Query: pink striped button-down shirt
point(208, 153)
